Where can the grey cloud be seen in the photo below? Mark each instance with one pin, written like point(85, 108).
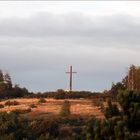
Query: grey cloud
point(70, 29)
point(45, 24)
point(39, 49)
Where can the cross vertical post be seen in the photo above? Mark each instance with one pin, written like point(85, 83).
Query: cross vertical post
point(70, 72)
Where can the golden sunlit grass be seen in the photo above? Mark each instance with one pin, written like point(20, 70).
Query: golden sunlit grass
point(52, 107)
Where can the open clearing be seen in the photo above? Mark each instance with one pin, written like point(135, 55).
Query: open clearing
point(82, 107)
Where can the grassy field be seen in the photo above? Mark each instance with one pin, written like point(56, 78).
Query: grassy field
point(82, 107)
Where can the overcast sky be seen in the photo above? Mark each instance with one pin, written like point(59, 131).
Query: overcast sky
point(40, 40)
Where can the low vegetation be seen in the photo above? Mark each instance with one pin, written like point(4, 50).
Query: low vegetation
point(41, 100)
point(119, 124)
point(111, 110)
point(33, 106)
point(21, 111)
point(65, 109)
point(10, 103)
point(1, 106)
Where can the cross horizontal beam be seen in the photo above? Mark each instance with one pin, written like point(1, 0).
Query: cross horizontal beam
point(72, 72)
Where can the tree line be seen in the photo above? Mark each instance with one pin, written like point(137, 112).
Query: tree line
point(7, 90)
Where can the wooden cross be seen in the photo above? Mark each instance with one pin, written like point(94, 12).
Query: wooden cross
point(70, 72)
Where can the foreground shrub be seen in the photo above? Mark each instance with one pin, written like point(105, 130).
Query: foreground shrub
point(65, 110)
point(44, 137)
point(1, 106)
point(8, 125)
point(42, 100)
point(33, 106)
point(130, 104)
point(111, 110)
point(9, 103)
point(21, 111)
point(45, 128)
point(7, 137)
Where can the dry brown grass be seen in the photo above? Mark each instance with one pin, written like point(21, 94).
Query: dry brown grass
point(82, 107)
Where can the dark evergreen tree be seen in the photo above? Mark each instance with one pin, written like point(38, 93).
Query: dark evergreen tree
point(65, 109)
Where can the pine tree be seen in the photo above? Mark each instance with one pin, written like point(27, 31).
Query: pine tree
point(7, 80)
point(1, 76)
point(65, 110)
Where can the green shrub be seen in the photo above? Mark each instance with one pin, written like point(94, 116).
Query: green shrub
point(33, 106)
point(111, 110)
point(42, 100)
point(65, 110)
point(7, 137)
point(130, 103)
point(9, 103)
point(49, 128)
point(21, 111)
point(8, 125)
point(1, 106)
point(44, 137)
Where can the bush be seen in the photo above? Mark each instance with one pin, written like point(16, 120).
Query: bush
point(7, 137)
point(47, 127)
point(21, 111)
point(8, 125)
point(65, 131)
point(130, 103)
point(1, 106)
point(33, 106)
point(44, 137)
point(42, 100)
point(65, 110)
point(111, 110)
point(9, 103)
